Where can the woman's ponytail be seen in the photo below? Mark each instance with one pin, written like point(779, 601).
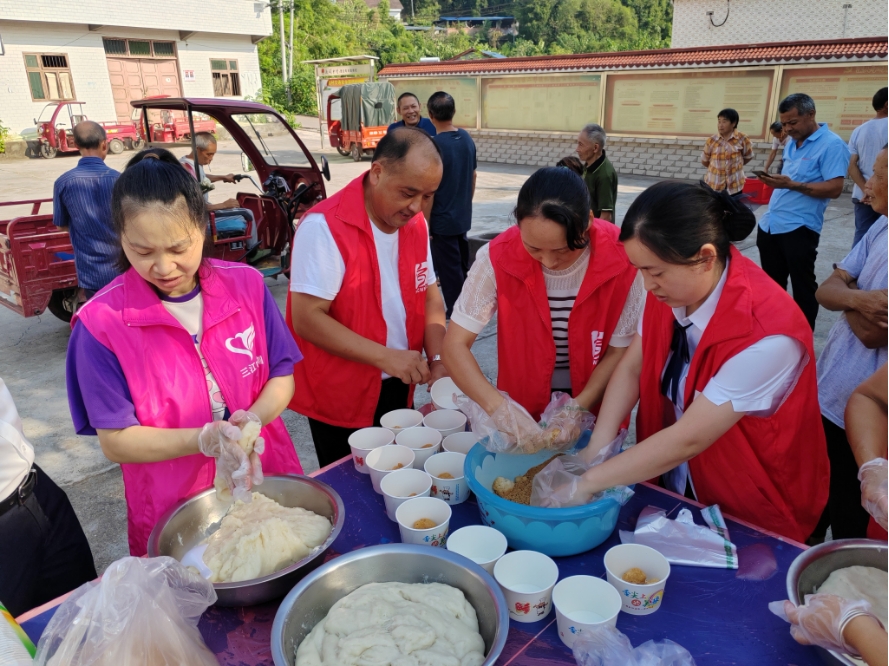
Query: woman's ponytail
point(737, 219)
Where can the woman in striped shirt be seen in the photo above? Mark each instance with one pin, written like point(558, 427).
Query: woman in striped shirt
point(567, 299)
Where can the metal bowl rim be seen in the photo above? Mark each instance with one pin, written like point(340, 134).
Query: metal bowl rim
point(308, 480)
point(289, 601)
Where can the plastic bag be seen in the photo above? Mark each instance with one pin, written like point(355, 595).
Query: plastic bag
point(682, 541)
point(558, 484)
point(142, 611)
point(237, 470)
point(606, 646)
point(564, 421)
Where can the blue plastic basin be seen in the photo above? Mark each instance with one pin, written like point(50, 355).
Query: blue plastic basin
point(554, 532)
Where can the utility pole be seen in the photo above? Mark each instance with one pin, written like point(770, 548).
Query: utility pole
point(290, 67)
point(283, 43)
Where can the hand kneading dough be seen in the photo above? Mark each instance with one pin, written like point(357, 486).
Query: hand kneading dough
point(396, 624)
point(249, 434)
point(262, 537)
point(855, 583)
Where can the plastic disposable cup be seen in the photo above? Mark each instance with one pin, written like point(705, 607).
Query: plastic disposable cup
point(483, 545)
point(583, 603)
point(402, 485)
point(460, 442)
point(637, 599)
point(387, 459)
point(452, 490)
point(366, 440)
point(527, 579)
point(446, 421)
point(428, 508)
point(425, 443)
point(443, 392)
point(400, 419)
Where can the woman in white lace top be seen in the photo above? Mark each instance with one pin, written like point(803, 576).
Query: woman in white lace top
point(567, 299)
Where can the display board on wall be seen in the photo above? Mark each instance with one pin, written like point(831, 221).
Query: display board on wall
point(686, 103)
point(548, 102)
point(842, 94)
point(463, 90)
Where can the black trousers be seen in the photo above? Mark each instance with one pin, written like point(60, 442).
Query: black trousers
point(332, 442)
point(43, 550)
point(792, 255)
point(450, 258)
point(848, 520)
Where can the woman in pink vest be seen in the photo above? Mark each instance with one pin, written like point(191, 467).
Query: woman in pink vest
point(567, 302)
point(164, 360)
point(722, 367)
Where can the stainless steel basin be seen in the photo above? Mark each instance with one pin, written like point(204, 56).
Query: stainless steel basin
point(311, 599)
point(195, 518)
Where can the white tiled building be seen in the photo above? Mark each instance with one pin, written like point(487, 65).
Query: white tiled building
point(730, 22)
point(106, 53)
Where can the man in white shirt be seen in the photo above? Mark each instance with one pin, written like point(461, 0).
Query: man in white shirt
point(364, 300)
point(43, 550)
point(867, 140)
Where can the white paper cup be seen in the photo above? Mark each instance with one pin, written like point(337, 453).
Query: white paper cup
point(460, 442)
point(637, 599)
point(442, 393)
point(425, 442)
point(527, 579)
point(483, 545)
point(402, 485)
point(366, 440)
point(400, 419)
point(583, 603)
point(446, 421)
point(424, 507)
point(385, 460)
point(454, 490)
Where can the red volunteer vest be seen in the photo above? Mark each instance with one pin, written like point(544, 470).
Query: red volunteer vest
point(525, 344)
point(773, 471)
point(336, 390)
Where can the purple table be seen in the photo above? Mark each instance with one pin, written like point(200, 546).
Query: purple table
point(719, 615)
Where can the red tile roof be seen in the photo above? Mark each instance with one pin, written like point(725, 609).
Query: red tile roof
point(840, 50)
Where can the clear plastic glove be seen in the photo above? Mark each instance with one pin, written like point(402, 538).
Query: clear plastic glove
point(236, 470)
point(821, 620)
point(563, 421)
point(874, 475)
point(606, 646)
point(560, 483)
point(510, 429)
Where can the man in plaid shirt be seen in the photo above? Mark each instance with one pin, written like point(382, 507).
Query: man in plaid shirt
point(726, 153)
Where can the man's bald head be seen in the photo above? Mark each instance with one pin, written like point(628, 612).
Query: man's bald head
point(397, 146)
point(88, 135)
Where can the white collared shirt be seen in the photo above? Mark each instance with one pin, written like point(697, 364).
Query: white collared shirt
point(756, 380)
point(16, 452)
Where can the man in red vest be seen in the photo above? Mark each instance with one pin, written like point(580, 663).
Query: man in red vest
point(364, 302)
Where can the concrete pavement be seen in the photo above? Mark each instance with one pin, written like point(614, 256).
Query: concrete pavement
point(32, 350)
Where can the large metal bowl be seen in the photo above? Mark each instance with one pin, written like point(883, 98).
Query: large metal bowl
point(195, 518)
point(309, 602)
point(812, 567)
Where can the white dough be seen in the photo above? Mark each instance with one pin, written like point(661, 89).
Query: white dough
point(249, 433)
point(261, 537)
point(396, 624)
point(856, 583)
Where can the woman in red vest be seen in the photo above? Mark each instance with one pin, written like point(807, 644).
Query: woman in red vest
point(567, 302)
point(723, 369)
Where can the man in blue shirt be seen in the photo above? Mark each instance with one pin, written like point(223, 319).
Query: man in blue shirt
point(451, 214)
point(408, 107)
point(82, 204)
point(815, 164)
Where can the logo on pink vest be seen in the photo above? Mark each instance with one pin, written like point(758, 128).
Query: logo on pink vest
point(598, 338)
point(246, 338)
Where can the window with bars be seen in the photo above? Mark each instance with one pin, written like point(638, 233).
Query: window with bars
point(138, 48)
point(49, 76)
point(226, 79)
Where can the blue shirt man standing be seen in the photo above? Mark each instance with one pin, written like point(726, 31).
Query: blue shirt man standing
point(815, 164)
point(408, 107)
point(82, 204)
point(451, 215)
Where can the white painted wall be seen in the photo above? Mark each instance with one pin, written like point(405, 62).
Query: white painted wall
point(86, 58)
point(760, 21)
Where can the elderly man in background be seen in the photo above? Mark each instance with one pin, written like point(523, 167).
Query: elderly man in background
point(855, 349)
point(867, 140)
point(82, 205)
point(815, 164)
point(598, 174)
point(726, 153)
point(408, 107)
